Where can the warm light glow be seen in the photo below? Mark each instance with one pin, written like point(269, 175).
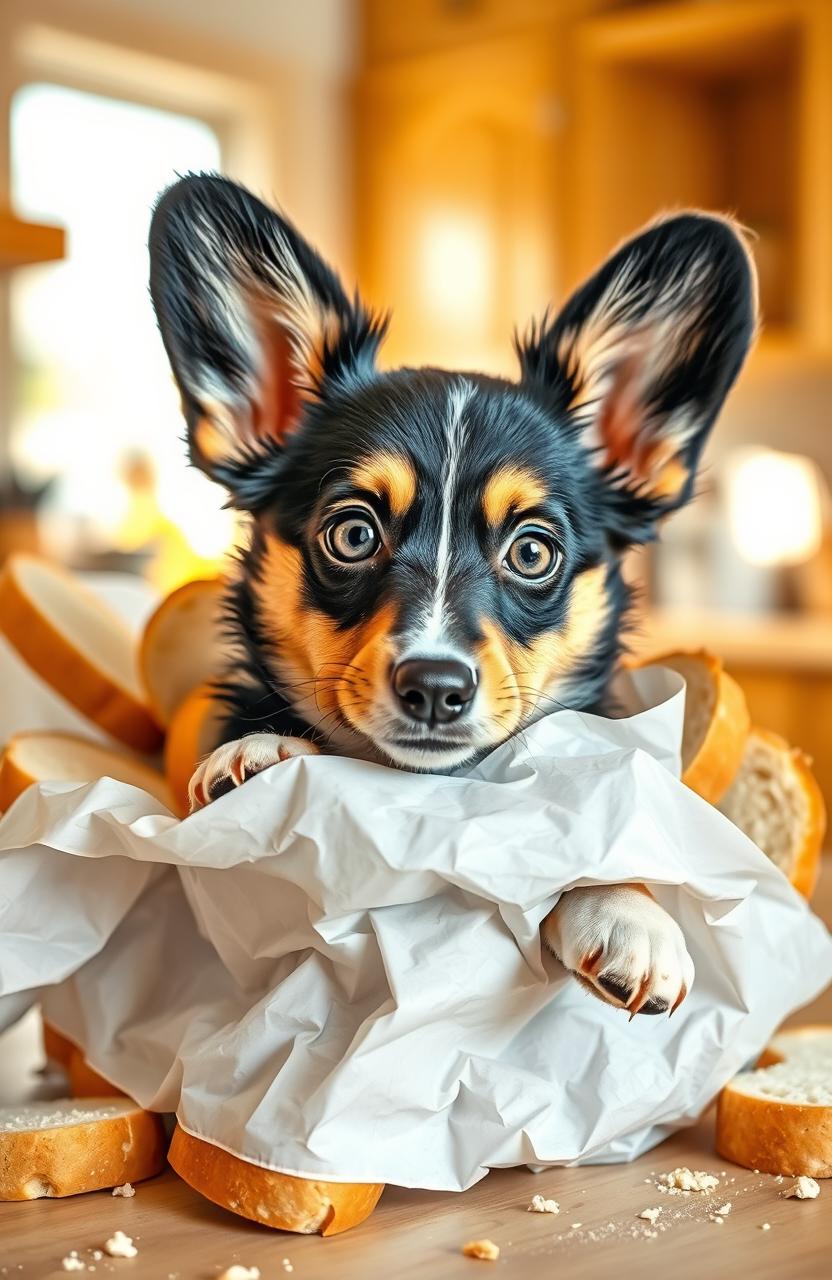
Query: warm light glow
point(96, 409)
point(774, 507)
point(456, 270)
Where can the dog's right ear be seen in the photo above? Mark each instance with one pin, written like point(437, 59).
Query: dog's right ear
point(253, 322)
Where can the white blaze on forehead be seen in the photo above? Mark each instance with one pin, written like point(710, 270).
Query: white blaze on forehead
point(433, 629)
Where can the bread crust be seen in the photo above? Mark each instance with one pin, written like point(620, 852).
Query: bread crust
point(54, 657)
point(187, 741)
point(15, 777)
point(280, 1200)
point(774, 1137)
point(771, 1135)
point(713, 768)
point(85, 1082)
point(71, 1159)
point(160, 631)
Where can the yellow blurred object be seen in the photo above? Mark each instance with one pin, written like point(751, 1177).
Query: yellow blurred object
point(144, 525)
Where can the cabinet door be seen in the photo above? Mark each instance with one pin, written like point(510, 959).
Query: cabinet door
point(457, 228)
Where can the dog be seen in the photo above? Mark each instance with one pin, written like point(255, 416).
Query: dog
point(435, 558)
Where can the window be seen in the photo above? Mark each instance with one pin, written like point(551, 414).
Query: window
point(96, 412)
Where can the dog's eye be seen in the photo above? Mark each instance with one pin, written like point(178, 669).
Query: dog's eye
point(350, 538)
point(533, 555)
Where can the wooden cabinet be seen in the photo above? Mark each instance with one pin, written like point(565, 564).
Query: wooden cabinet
point(725, 106)
point(503, 150)
point(457, 227)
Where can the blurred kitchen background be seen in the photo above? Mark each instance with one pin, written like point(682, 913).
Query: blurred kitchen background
point(466, 162)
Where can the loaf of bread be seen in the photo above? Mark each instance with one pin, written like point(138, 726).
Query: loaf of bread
point(778, 1118)
point(303, 1205)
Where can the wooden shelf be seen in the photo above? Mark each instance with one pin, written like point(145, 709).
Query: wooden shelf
point(719, 107)
point(24, 243)
point(790, 642)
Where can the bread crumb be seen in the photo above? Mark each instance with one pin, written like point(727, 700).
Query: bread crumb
point(685, 1179)
point(650, 1214)
point(766, 1226)
point(236, 1272)
point(802, 1189)
point(539, 1205)
point(120, 1246)
point(485, 1250)
point(724, 1209)
point(576, 1225)
point(97, 1255)
point(287, 1266)
point(73, 1263)
point(717, 1218)
point(127, 1190)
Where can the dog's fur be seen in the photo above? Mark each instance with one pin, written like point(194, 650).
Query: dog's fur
point(454, 485)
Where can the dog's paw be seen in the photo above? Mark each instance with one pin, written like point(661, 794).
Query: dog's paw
point(623, 946)
point(231, 764)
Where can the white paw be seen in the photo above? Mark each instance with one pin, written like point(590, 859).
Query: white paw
point(622, 945)
point(231, 764)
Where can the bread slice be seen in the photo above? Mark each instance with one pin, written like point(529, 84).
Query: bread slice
point(56, 1046)
point(85, 1082)
point(182, 645)
point(778, 1118)
point(40, 756)
point(193, 732)
point(77, 645)
point(279, 1200)
point(716, 722)
point(63, 1148)
point(776, 801)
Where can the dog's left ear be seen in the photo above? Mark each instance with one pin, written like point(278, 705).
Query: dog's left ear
point(253, 321)
point(641, 358)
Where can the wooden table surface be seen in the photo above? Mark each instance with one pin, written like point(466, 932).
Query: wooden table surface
point(411, 1235)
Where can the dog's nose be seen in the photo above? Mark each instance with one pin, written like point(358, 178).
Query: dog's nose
point(432, 689)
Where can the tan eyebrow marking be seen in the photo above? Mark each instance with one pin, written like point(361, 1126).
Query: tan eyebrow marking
point(389, 475)
point(511, 487)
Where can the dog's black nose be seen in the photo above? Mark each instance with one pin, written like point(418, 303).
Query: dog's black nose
point(433, 689)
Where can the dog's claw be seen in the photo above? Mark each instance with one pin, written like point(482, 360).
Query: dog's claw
point(623, 946)
point(591, 962)
point(235, 762)
point(682, 993)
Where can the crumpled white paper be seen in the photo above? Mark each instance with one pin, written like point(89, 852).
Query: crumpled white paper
point(336, 971)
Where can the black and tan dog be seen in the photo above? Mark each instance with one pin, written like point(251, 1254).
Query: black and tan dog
point(435, 557)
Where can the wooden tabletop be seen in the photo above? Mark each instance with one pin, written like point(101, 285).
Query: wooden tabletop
point(418, 1235)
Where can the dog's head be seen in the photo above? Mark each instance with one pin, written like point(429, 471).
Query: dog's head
point(435, 557)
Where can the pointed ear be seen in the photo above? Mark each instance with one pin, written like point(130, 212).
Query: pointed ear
point(642, 356)
point(252, 320)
